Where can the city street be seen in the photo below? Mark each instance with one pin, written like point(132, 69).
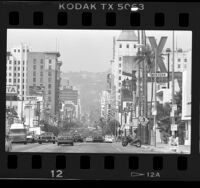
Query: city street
point(87, 148)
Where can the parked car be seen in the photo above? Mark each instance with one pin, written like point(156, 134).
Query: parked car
point(8, 143)
point(65, 138)
point(109, 139)
point(78, 138)
point(98, 138)
point(31, 137)
point(47, 137)
point(89, 139)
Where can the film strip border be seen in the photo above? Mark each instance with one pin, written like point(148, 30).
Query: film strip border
point(159, 16)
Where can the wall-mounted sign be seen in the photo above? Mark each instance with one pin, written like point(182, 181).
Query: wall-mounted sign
point(12, 90)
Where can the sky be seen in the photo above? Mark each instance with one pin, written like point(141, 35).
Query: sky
point(83, 50)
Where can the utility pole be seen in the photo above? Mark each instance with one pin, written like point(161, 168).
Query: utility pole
point(155, 102)
point(173, 102)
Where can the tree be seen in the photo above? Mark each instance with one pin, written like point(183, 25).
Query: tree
point(112, 127)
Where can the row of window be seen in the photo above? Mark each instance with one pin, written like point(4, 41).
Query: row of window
point(18, 50)
point(15, 68)
point(127, 46)
point(15, 74)
point(41, 80)
point(16, 62)
point(15, 80)
point(179, 60)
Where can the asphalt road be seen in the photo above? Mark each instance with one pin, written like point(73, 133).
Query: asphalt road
point(78, 148)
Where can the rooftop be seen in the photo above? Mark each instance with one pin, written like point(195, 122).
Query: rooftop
point(127, 35)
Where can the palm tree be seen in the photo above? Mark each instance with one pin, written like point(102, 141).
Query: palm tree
point(147, 56)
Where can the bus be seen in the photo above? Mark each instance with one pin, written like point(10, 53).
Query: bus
point(18, 133)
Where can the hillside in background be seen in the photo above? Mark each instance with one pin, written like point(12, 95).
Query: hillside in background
point(90, 85)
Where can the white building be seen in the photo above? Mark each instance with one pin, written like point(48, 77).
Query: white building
point(105, 104)
point(124, 50)
point(17, 73)
point(186, 103)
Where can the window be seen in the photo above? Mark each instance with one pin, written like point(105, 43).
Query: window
point(18, 68)
point(120, 58)
point(23, 50)
point(119, 84)
point(49, 98)
point(23, 80)
point(49, 61)
point(119, 77)
point(41, 66)
point(18, 74)
point(49, 92)
point(119, 90)
point(18, 80)
point(18, 62)
point(49, 86)
point(14, 50)
point(185, 66)
point(10, 68)
point(10, 80)
point(15, 62)
point(120, 71)
point(120, 65)
point(179, 60)
point(179, 66)
point(41, 79)
point(14, 74)
point(50, 67)
point(34, 67)
point(27, 50)
point(34, 79)
point(41, 61)
point(15, 68)
point(49, 73)
point(23, 74)
point(127, 46)
point(185, 60)
point(134, 46)
point(34, 61)
point(49, 79)
point(14, 80)
point(41, 73)
point(10, 74)
point(120, 45)
point(23, 62)
point(34, 73)
point(23, 86)
point(10, 62)
point(18, 50)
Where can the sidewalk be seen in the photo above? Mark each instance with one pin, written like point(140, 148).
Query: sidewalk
point(166, 148)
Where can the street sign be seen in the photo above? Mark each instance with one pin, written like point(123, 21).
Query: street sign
point(174, 127)
point(11, 90)
point(160, 74)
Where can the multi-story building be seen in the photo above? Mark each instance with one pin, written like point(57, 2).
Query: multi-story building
point(69, 96)
point(44, 71)
point(125, 51)
point(17, 69)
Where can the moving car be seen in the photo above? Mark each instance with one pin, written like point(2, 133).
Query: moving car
point(8, 144)
point(109, 139)
point(65, 138)
point(89, 139)
point(31, 137)
point(98, 138)
point(18, 133)
point(47, 137)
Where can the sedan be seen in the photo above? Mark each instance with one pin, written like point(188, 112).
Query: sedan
point(65, 139)
point(89, 139)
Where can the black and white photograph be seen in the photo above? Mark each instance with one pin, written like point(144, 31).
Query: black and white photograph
point(98, 91)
